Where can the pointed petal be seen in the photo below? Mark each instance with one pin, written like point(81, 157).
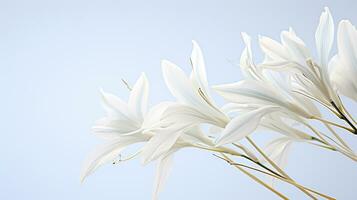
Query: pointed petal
point(249, 92)
point(324, 38)
point(243, 125)
point(180, 85)
point(106, 153)
point(115, 107)
point(185, 91)
point(178, 113)
point(199, 70)
point(108, 128)
point(273, 49)
point(278, 150)
point(343, 67)
point(138, 99)
point(155, 114)
point(162, 171)
point(347, 43)
point(160, 143)
point(296, 47)
point(249, 69)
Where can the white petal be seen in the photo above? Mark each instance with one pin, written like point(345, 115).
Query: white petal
point(116, 108)
point(153, 117)
point(160, 143)
point(249, 92)
point(278, 150)
point(178, 113)
point(184, 90)
point(343, 67)
point(249, 69)
point(139, 97)
point(296, 47)
point(162, 171)
point(180, 85)
point(106, 153)
point(243, 125)
point(347, 43)
point(324, 38)
point(273, 49)
point(343, 78)
point(199, 70)
point(108, 128)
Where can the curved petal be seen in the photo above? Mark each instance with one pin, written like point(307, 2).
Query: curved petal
point(199, 70)
point(106, 153)
point(243, 125)
point(155, 114)
point(162, 171)
point(273, 49)
point(186, 92)
point(160, 143)
point(180, 85)
point(178, 113)
point(115, 107)
point(108, 128)
point(278, 150)
point(324, 38)
point(249, 92)
point(343, 67)
point(138, 99)
point(295, 46)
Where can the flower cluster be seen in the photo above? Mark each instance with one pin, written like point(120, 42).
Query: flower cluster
point(284, 93)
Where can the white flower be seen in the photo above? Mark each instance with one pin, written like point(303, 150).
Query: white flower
point(343, 66)
point(195, 104)
point(293, 57)
point(264, 92)
point(129, 123)
point(122, 125)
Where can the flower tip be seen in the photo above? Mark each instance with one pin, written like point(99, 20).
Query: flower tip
point(82, 177)
point(327, 9)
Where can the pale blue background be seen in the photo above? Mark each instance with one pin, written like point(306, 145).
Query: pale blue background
point(55, 55)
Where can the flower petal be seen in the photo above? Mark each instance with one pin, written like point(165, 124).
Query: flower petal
point(180, 85)
point(162, 171)
point(249, 92)
point(199, 70)
point(106, 153)
point(278, 150)
point(115, 107)
point(160, 143)
point(138, 99)
point(243, 125)
point(273, 49)
point(155, 114)
point(324, 38)
point(344, 65)
point(295, 46)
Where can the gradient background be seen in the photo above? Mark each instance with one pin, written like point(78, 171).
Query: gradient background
point(55, 55)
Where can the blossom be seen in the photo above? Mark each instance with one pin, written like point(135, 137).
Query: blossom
point(343, 65)
point(261, 91)
point(279, 94)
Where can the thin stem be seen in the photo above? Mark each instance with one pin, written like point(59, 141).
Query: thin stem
point(257, 179)
point(275, 176)
point(343, 116)
point(263, 166)
point(220, 150)
point(338, 137)
point(346, 111)
point(335, 124)
point(320, 102)
point(277, 167)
